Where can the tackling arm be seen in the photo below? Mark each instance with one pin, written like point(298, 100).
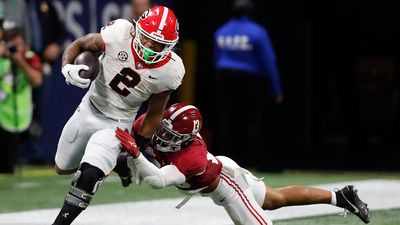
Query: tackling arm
point(154, 176)
point(158, 177)
point(152, 120)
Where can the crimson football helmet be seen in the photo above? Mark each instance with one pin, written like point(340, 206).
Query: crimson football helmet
point(160, 25)
point(180, 124)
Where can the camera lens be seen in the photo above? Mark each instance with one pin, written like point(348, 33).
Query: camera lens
point(12, 48)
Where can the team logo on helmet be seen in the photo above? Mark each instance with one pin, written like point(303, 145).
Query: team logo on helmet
point(158, 24)
point(145, 14)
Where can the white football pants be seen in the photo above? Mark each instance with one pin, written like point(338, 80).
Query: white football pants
point(89, 137)
point(241, 194)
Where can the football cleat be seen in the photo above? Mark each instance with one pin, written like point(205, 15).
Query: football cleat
point(353, 203)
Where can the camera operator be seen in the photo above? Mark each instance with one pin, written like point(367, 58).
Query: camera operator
point(20, 70)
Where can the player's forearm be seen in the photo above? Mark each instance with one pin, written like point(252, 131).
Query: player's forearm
point(149, 125)
point(155, 110)
point(158, 177)
point(90, 42)
point(70, 53)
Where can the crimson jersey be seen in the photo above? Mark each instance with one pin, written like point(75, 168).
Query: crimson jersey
point(194, 161)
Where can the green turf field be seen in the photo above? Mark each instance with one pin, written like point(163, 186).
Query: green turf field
point(387, 217)
point(39, 188)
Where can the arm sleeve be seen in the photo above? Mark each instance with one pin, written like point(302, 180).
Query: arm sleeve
point(158, 177)
point(268, 62)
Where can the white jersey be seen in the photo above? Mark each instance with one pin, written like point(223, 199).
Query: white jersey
point(125, 81)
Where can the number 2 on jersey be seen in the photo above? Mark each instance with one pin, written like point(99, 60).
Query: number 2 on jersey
point(128, 78)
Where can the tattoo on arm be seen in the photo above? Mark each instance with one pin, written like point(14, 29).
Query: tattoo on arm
point(90, 42)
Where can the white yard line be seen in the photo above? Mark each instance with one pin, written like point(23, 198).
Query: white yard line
point(379, 194)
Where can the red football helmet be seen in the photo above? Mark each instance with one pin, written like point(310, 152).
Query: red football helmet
point(180, 124)
point(160, 25)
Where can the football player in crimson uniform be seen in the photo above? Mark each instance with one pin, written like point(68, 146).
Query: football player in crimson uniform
point(179, 157)
point(137, 64)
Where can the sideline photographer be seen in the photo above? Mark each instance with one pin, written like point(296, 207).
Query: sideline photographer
point(20, 70)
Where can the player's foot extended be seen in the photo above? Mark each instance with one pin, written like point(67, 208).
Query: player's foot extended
point(353, 203)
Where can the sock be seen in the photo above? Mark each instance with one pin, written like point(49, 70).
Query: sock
point(86, 182)
point(333, 198)
point(67, 214)
point(340, 200)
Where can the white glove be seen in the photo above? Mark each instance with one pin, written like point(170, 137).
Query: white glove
point(133, 171)
point(71, 74)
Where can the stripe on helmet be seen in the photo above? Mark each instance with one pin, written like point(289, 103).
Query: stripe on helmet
point(181, 110)
point(163, 20)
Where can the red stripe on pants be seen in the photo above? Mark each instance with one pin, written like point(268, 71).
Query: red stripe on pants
point(244, 198)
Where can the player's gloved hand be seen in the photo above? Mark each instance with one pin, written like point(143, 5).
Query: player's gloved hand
point(128, 142)
point(71, 74)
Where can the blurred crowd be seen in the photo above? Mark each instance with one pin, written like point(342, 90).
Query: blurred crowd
point(247, 86)
point(31, 37)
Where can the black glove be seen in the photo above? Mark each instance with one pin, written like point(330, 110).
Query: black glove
point(142, 142)
point(122, 169)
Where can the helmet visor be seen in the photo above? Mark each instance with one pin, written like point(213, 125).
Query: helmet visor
point(167, 140)
point(156, 54)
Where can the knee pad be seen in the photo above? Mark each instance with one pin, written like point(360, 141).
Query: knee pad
point(84, 184)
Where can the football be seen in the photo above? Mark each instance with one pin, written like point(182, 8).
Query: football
point(89, 59)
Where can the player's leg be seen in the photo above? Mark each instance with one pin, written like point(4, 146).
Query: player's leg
point(85, 183)
point(102, 150)
point(99, 159)
point(73, 139)
point(240, 193)
point(70, 146)
point(239, 202)
point(294, 195)
point(300, 195)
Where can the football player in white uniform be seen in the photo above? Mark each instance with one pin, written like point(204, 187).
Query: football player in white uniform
point(137, 64)
point(177, 155)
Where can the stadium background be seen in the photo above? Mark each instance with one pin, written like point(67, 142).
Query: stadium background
point(338, 62)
